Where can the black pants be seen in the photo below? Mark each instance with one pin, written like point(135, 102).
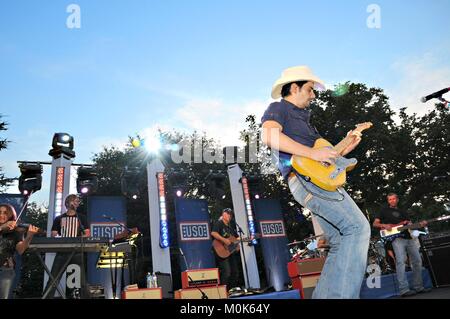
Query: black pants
point(228, 270)
point(58, 263)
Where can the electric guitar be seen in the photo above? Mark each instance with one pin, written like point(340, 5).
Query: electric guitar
point(328, 176)
point(396, 231)
point(224, 251)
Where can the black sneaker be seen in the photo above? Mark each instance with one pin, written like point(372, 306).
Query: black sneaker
point(409, 293)
point(424, 290)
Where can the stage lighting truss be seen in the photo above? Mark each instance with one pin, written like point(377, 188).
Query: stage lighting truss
point(87, 180)
point(30, 179)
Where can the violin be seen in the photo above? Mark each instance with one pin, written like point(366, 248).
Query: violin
point(23, 228)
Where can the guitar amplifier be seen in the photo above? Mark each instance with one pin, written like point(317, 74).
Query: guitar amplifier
point(305, 284)
point(217, 292)
point(437, 260)
point(435, 239)
point(200, 278)
point(305, 267)
point(145, 293)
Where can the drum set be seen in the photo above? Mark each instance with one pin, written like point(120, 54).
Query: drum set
point(306, 249)
point(377, 256)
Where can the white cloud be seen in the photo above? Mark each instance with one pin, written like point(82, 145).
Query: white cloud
point(219, 119)
point(418, 76)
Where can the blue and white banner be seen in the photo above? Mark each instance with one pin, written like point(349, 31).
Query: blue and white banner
point(273, 241)
point(194, 233)
point(115, 208)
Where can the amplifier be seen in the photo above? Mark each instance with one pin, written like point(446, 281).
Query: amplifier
point(305, 284)
point(435, 239)
point(437, 260)
point(305, 267)
point(145, 293)
point(218, 292)
point(200, 278)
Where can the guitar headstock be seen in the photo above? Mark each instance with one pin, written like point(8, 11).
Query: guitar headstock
point(363, 126)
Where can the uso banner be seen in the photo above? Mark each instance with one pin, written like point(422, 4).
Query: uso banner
point(273, 242)
point(114, 207)
point(194, 233)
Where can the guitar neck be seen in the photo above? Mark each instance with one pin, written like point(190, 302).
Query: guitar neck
point(346, 141)
point(417, 225)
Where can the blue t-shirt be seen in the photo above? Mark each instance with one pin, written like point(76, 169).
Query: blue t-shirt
point(296, 125)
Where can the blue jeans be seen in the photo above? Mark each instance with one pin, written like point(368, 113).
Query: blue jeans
point(401, 247)
point(6, 281)
point(348, 232)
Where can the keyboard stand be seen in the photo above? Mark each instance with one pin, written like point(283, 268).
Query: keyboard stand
point(54, 280)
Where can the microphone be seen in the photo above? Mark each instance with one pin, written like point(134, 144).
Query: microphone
point(434, 95)
point(181, 251)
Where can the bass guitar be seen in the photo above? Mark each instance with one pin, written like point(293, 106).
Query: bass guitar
point(396, 231)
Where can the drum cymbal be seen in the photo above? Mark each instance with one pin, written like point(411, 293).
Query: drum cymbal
point(313, 237)
point(296, 243)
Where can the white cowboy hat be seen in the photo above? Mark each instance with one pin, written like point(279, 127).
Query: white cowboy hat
point(294, 74)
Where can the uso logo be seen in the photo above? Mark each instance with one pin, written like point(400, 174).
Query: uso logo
point(108, 230)
point(272, 228)
point(194, 231)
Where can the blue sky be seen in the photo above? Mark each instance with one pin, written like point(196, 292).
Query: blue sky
point(134, 66)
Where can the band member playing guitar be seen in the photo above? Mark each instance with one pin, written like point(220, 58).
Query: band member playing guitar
point(315, 172)
point(226, 244)
point(387, 219)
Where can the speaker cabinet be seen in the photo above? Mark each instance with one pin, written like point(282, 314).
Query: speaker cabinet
point(437, 259)
point(216, 292)
point(146, 293)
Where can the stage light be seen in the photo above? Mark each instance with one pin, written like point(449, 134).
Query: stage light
point(256, 196)
point(30, 179)
point(179, 193)
point(224, 196)
point(152, 144)
point(62, 144)
point(87, 181)
point(134, 197)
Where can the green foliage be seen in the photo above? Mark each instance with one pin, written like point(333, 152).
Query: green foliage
point(3, 145)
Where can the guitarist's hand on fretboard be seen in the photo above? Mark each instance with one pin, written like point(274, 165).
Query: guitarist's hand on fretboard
point(357, 138)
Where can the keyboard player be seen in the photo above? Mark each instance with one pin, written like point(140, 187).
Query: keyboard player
point(69, 224)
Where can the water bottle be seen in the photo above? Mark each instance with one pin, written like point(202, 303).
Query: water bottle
point(149, 280)
point(155, 281)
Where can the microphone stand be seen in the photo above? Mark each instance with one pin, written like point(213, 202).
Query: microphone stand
point(204, 296)
point(243, 252)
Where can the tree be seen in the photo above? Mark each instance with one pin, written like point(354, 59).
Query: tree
point(3, 145)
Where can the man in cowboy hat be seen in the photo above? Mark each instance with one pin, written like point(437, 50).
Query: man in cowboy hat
point(287, 130)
